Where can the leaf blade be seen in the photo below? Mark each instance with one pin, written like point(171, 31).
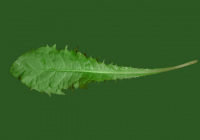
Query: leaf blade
point(49, 70)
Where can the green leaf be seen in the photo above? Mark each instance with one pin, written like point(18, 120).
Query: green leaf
point(50, 70)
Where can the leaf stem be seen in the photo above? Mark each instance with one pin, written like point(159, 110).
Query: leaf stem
point(172, 68)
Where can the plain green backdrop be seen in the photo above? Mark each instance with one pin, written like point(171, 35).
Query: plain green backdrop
point(138, 33)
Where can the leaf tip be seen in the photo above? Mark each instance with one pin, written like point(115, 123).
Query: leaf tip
point(54, 46)
point(49, 94)
point(66, 47)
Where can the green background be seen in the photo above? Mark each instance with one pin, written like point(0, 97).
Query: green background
point(138, 33)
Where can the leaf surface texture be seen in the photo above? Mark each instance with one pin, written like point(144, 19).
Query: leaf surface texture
point(50, 70)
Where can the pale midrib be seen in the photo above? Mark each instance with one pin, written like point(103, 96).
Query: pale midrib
point(88, 71)
point(127, 72)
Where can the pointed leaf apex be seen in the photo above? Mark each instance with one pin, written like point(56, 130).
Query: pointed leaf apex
point(48, 94)
point(54, 46)
point(66, 47)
